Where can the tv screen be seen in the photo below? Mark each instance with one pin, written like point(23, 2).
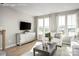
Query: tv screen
point(25, 25)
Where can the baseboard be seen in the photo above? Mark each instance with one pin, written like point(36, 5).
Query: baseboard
point(12, 45)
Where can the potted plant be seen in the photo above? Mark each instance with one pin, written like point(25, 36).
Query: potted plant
point(49, 36)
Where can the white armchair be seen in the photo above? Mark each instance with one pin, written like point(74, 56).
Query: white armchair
point(57, 39)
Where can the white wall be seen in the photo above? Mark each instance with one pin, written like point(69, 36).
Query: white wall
point(9, 19)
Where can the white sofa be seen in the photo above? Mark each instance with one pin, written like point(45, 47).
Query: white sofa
point(58, 40)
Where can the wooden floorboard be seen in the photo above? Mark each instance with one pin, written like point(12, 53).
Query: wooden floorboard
point(19, 50)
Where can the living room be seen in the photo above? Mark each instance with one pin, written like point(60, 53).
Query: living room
point(24, 27)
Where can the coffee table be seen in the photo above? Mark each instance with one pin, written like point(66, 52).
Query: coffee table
point(46, 52)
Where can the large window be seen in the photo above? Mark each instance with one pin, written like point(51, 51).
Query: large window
point(71, 24)
point(40, 26)
point(67, 23)
point(61, 23)
point(43, 25)
point(46, 24)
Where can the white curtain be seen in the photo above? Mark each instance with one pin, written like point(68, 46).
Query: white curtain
point(35, 25)
point(78, 19)
point(53, 23)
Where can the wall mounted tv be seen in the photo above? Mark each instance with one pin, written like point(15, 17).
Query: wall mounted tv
point(25, 25)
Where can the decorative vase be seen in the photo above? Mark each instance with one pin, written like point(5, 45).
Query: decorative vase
point(44, 43)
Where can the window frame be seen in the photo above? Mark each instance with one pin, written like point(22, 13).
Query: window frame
point(43, 24)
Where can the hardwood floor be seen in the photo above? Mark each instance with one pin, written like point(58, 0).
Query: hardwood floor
point(18, 50)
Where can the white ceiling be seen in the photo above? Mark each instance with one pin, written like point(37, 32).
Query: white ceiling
point(36, 9)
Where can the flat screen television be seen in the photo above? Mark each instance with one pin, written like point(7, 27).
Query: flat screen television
point(25, 25)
